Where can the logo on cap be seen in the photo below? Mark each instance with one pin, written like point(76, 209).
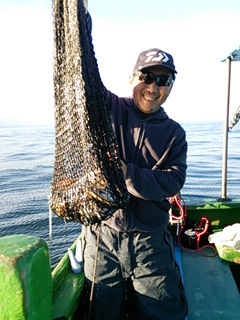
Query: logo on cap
point(156, 56)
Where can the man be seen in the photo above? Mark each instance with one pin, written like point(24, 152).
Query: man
point(135, 243)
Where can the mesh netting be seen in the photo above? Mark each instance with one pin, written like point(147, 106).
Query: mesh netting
point(88, 183)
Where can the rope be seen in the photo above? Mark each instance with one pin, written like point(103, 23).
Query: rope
point(235, 119)
point(50, 225)
point(94, 273)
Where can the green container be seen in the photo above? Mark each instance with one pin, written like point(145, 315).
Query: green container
point(25, 278)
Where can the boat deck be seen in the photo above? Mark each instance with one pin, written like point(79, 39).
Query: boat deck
point(210, 288)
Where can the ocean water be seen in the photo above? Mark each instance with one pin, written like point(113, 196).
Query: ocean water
point(26, 167)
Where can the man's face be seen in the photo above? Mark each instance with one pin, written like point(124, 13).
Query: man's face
point(149, 97)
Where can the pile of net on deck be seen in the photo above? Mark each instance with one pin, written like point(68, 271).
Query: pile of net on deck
point(88, 183)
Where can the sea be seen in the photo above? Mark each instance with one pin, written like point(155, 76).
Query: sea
point(26, 168)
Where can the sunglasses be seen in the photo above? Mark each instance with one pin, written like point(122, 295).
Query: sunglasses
point(161, 80)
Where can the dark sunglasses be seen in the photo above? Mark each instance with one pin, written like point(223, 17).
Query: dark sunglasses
point(161, 80)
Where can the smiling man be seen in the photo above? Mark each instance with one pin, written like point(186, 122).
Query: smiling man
point(135, 243)
point(153, 77)
point(151, 88)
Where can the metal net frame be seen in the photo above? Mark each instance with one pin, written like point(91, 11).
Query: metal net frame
point(88, 183)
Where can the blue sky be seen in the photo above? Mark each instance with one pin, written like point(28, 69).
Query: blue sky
point(199, 34)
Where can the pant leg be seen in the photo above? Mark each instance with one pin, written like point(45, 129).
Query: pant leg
point(109, 289)
point(157, 283)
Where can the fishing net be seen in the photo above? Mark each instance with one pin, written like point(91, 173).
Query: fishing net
point(87, 184)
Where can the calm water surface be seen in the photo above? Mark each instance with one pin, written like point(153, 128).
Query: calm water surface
point(26, 167)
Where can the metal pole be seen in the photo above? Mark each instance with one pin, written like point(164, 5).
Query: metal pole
point(225, 138)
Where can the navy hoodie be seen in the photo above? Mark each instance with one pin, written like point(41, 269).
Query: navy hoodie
point(153, 153)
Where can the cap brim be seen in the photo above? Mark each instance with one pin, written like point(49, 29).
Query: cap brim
point(154, 64)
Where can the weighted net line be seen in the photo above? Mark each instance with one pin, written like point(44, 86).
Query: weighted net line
point(87, 184)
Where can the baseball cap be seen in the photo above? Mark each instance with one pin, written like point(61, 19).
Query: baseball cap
point(154, 57)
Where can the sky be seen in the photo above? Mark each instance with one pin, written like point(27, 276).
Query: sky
point(199, 34)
